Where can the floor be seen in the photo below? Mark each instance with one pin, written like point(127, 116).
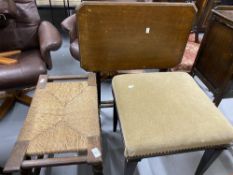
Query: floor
point(179, 164)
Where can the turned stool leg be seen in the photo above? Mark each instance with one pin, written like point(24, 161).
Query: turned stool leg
point(196, 37)
point(97, 169)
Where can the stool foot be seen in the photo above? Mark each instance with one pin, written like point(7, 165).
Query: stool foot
point(97, 169)
point(130, 167)
point(207, 159)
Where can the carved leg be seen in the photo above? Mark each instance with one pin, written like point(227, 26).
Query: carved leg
point(6, 106)
point(97, 169)
point(130, 167)
point(115, 117)
point(207, 159)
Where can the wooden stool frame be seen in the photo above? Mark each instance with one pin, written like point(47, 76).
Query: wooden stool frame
point(19, 161)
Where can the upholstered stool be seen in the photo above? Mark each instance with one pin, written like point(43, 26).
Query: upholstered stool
point(63, 118)
point(166, 113)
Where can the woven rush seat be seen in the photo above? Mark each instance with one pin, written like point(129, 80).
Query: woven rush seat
point(62, 117)
point(163, 113)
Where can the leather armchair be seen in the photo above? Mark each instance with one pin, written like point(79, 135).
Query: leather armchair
point(69, 24)
point(22, 29)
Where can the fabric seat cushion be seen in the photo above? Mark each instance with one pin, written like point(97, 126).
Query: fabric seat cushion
point(24, 73)
point(167, 112)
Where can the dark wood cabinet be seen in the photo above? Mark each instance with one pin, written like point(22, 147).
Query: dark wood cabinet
point(204, 14)
point(214, 62)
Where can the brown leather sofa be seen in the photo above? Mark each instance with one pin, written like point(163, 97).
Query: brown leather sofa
point(22, 29)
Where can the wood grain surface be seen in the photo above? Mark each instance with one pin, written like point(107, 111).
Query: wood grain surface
point(120, 36)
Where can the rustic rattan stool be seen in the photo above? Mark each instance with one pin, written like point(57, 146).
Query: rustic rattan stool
point(167, 113)
point(63, 118)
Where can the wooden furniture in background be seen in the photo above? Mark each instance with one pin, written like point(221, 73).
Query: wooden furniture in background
point(4, 57)
point(203, 15)
point(10, 53)
point(63, 118)
point(214, 62)
point(9, 97)
point(4, 60)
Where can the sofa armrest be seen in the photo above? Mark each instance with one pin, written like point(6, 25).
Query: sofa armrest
point(69, 24)
point(50, 40)
point(74, 49)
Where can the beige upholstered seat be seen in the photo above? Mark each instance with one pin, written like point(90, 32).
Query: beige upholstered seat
point(167, 112)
